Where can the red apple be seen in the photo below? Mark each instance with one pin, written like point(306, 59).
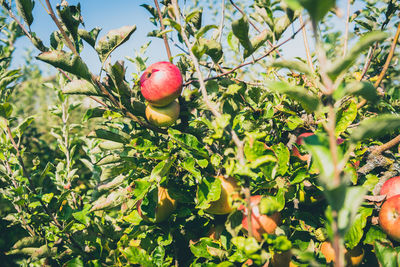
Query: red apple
point(391, 187)
point(161, 83)
point(163, 116)
point(299, 141)
point(260, 223)
point(229, 193)
point(389, 217)
point(165, 206)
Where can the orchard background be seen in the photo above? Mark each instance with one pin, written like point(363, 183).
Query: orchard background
point(304, 142)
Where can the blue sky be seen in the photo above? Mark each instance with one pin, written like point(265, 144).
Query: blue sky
point(117, 13)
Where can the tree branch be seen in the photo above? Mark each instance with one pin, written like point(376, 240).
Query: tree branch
point(253, 61)
point(59, 26)
point(209, 104)
point(163, 28)
point(386, 66)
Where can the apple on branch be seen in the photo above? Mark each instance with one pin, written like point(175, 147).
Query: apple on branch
point(260, 223)
point(165, 206)
point(163, 116)
point(229, 193)
point(161, 83)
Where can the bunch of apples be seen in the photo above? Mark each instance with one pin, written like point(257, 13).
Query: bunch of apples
point(160, 84)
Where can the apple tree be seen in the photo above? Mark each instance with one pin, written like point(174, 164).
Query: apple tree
point(223, 153)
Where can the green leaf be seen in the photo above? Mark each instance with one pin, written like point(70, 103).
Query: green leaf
point(89, 37)
point(66, 61)
point(308, 101)
point(364, 89)
point(240, 29)
point(112, 40)
point(82, 216)
point(204, 30)
point(345, 117)
point(108, 135)
point(345, 201)
point(271, 204)
point(189, 165)
point(318, 145)
point(188, 142)
point(374, 233)
point(71, 17)
point(257, 42)
point(29, 241)
point(5, 110)
point(208, 190)
point(293, 65)
point(93, 113)
point(316, 8)
point(202, 248)
point(209, 47)
point(386, 255)
point(80, 87)
point(341, 65)
point(253, 150)
point(137, 255)
point(77, 262)
point(162, 169)
point(375, 127)
point(213, 49)
point(355, 233)
point(283, 155)
point(25, 8)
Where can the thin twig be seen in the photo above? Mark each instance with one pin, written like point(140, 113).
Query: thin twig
point(368, 61)
point(346, 32)
point(33, 189)
point(387, 145)
point(323, 62)
point(306, 46)
point(163, 29)
point(209, 104)
point(59, 26)
point(253, 61)
point(9, 11)
point(386, 66)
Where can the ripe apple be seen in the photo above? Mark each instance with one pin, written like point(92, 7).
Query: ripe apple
point(161, 83)
point(229, 193)
point(353, 257)
point(165, 206)
point(163, 116)
point(299, 141)
point(260, 223)
point(391, 187)
point(389, 217)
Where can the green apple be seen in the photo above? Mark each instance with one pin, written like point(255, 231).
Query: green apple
point(163, 116)
point(165, 206)
point(229, 192)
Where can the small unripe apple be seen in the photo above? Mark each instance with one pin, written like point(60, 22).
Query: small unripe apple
point(389, 217)
point(353, 257)
point(163, 116)
point(229, 192)
point(161, 83)
point(165, 206)
point(391, 187)
point(260, 223)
